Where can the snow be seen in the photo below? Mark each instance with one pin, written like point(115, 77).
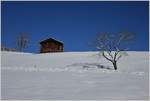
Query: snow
point(73, 76)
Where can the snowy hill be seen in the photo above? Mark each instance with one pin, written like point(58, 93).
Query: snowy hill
point(73, 76)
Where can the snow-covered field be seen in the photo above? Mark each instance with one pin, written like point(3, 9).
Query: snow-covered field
point(73, 76)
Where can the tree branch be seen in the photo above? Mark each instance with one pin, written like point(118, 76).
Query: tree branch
point(119, 57)
point(106, 57)
point(116, 53)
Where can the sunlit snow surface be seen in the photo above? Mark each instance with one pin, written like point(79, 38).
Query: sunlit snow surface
point(73, 76)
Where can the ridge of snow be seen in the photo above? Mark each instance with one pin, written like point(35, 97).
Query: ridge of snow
point(73, 75)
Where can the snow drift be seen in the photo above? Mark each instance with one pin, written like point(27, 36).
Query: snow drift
point(73, 76)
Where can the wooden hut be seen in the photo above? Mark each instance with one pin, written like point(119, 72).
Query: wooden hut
point(51, 45)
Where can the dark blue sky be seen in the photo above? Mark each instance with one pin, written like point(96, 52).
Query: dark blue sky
point(75, 23)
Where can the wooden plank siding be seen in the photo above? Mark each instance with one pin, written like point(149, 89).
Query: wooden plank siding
point(51, 45)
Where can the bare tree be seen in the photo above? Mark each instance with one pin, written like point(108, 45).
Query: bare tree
point(113, 46)
point(22, 41)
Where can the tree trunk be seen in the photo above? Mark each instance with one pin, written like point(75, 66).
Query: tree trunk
point(115, 65)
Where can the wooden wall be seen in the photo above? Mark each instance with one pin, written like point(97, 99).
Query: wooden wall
point(51, 47)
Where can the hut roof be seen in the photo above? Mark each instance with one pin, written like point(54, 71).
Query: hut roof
point(51, 39)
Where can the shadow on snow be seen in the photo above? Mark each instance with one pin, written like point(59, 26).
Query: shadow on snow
point(90, 65)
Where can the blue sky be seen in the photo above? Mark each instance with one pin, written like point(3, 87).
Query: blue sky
point(75, 23)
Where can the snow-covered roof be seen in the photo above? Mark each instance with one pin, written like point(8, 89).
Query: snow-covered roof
point(53, 39)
